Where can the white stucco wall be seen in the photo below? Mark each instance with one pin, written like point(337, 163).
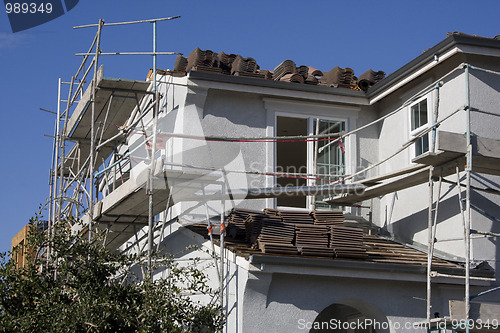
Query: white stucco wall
point(405, 213)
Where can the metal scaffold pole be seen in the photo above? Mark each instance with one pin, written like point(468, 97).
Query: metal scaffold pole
point(432, 212)
point(468, 168)
point(53, 210)
point(152, 164)
point(222, 232)
point(63, 142)
point(430, 243)
point(92, 130)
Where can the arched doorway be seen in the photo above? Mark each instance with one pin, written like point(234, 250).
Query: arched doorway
point(350, 317)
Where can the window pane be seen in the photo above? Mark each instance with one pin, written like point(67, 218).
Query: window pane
point(422, 145)
point(330, 160)
point(423, 112)
point(414, 119)
point(419, 114)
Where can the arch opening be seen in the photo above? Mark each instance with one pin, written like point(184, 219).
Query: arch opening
point(347, 317)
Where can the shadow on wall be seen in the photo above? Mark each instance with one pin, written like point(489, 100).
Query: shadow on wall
point(484, 217)
point(407, 227)
point(234, 110)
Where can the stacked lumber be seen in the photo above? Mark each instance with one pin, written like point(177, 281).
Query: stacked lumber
point(347, 242)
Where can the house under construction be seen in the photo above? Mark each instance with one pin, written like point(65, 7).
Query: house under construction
point(322, 198)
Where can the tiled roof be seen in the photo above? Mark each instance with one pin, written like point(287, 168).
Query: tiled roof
point(313, 234)
point(287, 71)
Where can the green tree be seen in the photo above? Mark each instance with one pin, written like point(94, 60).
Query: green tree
point(86, 288)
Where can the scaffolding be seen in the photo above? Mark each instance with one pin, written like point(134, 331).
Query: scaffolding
point(96, 163)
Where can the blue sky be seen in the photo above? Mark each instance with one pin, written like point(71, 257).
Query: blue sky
point(382, 35)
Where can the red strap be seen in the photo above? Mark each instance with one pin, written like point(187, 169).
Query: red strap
point(342, 147)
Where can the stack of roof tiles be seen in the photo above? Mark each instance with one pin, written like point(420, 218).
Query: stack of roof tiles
point(313, 240)
point(296, 217)
point(328, 217)
point(226, 61)
point(203, 60)
point(318, 233)
point(277, 237)
point(180, 64)
point(339, 77)
point(242, 66)
point(369, 78)
point(268, 75)
point(286, 67)
point(236, 222)
point(287, 71)
point(254, 223)
point(347, 242)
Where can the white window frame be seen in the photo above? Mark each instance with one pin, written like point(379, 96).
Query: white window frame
point(310, 146)
point(293, 108)
point(413, 133)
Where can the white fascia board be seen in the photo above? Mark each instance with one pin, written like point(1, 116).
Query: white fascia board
point(339, 272)
point(279, 92)
point(433, 63)
point(479, 50)
point(361, 272)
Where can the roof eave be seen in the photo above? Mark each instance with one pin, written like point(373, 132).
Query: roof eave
point(431, 55)
point(250, 81)
point(382, 270)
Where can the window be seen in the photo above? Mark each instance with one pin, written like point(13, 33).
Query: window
point(330, 161)
point(292, 157)
point(418, 122)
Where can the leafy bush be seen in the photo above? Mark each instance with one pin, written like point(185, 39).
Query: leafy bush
point(83, 287)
